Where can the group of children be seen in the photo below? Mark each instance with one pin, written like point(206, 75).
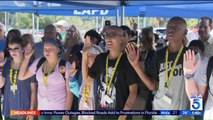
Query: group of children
point(100, 80)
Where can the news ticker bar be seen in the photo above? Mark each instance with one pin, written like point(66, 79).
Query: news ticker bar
point(107, 112)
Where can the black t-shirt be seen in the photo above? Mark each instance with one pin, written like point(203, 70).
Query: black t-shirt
point(124, 76)
point(134, 33)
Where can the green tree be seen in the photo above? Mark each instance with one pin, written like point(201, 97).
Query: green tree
point(191, 22)
point(21, 20)
point(2, 17)
point(45, 20)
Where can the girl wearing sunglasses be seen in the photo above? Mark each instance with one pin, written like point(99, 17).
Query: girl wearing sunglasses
point(18, 95)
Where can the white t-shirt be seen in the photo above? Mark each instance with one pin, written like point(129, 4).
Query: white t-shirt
point(209, 47)
point(201, 79)
point(192, 36)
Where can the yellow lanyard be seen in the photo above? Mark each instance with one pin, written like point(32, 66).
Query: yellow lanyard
point(13, 79)
point(168, 78)
point(45, 77)
point(87, 90)
point(108, 83)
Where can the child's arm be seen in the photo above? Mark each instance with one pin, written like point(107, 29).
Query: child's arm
point(33, 99)
point(33, 102)
point(133, 57)
point(190, 67)
point(2, 80)
point(130, 100)
point(24, 72)
point(85, 76)
point(68, 101)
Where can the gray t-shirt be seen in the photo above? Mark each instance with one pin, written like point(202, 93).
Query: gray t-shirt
point(174, 97)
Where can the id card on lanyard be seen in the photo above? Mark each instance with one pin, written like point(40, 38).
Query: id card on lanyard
point(107, 97)
point(166, 98)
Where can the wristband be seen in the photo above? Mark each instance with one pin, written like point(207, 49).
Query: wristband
point(188, 76)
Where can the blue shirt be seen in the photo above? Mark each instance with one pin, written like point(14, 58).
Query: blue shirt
point(2, 43)
point(21, 99)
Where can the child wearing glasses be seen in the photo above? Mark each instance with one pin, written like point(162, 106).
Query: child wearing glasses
point(18, 95)
point(116, 79)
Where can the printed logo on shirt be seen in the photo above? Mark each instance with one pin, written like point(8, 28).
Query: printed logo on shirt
point(178, 71)
point(107, 97)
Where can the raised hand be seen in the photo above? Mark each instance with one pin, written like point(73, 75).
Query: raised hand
point(132, 54)
point(190, 64)
point(73, 69)
point(86, 48)
point(2, 61)
point(29, 54)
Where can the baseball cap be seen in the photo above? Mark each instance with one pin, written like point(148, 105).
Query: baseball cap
point(63, 23)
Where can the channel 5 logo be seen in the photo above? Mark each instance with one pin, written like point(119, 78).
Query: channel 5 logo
point(196, 102)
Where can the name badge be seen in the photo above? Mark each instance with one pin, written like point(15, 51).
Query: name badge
point(45, 100)
point(13, 87)
point(108, 99)
point(167, 99)
point(166, 90)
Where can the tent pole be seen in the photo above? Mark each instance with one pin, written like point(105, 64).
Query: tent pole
point(96, 23)
point(5, 21)
point(117, 16)
point(8, 21)
point(102, 22)
point(144, 22)
point(138, 29)
point(37, 24)
point(33, 23)
point(122, 14)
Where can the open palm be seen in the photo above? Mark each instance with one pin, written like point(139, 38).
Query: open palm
point(86, 48)
point(132, 54)
point(190, 64)
point(2, 62)
point(28, 55)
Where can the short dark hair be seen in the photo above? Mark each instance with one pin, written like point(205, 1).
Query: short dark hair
point(50, 26)
point(16, 40)
point(206, 18)
point(93, 35)
point(180, 19)
point(197, 43)
point(127, 29)
point(13, 33)
point(27, 38)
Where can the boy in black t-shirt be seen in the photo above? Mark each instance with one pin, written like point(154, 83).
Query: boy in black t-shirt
point(117, 88)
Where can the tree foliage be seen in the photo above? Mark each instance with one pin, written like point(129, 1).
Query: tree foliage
point(24, 21)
